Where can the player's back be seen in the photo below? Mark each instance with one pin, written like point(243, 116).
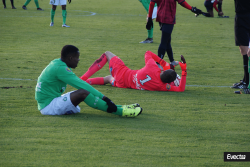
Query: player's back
point(148, 78)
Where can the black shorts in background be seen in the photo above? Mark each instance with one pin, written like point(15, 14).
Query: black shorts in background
point(242, 29)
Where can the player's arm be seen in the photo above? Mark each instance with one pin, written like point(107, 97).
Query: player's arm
point(215, 7)
point(187, 6)
point(70, 78)
point(150, 13)
point(163, 63)
point(219, 9)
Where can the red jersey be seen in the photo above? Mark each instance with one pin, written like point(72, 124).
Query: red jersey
point(147, 78)
point(166, 10)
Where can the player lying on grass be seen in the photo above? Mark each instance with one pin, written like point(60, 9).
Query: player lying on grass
point(53, 81)
point(150, 77)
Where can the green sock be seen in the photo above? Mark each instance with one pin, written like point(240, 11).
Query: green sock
point(97, 103)
point(27, 2)
point(64, 15)
point(150, 33)
point(37, 4)
point(119, 111)
point(52, 15)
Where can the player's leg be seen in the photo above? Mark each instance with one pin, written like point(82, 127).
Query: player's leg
point(242, 33)
point(96, 81)
point(248, 53)
point(52, 14)
point(95, 102)
point(25, 4)
point(12, 4)
point(100, 80)
point(4, 4)
point(209, 7)
point(37, 5)
point(96, 66)
point(149, 39)
point(244, 51)
point(165, 45)
point(64, 15)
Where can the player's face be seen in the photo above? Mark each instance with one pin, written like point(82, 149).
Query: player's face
point(74, 60)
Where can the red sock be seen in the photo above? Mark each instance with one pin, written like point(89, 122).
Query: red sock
point(95, 81)
point(96, 66)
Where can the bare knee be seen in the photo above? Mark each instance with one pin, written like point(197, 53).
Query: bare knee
point(244, 50)
point(83, 93)
point(54, 7)
point(109, 55)
point(79, 95)
point(63, 7)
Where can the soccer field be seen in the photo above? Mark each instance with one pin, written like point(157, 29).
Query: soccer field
point(192, 128)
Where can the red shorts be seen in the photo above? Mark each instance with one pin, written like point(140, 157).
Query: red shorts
point(119, 71)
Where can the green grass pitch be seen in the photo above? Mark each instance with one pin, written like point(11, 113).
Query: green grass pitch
point(193, 128)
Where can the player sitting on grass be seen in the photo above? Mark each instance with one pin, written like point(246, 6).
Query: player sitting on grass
point(150, 77)
point(53, 81)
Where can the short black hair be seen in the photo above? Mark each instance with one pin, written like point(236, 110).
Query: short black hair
point(68, 50)
point(168, 76)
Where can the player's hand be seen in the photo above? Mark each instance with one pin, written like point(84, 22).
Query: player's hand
point(69, 1)
point(111, 106)
point(183, 64)
point(196, 11)
point(220, 14)
point(149, 24)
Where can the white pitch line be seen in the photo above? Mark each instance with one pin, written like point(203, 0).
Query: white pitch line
point(19, 79)
point(205, 86)
point(85, 13)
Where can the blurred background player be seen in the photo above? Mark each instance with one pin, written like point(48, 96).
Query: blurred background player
point(145, 4)
point(210, 4)
point(53, 82)
point(166, 17)
point(150, 77)
point(12, 4)
point(54, 4)
point(28, 1)
point(242, 38)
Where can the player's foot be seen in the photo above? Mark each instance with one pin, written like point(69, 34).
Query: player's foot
point(174, 63)
point(24, 7)
point(51, 24)
point(65, 25)
point(243, 91)
point(13, 7)
point(40, 9)
point(4, 7)
point(240, 85)
point(131, 112)
point(133, 106)
point(148, 40)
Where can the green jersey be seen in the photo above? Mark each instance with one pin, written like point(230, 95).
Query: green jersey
point(53, 81)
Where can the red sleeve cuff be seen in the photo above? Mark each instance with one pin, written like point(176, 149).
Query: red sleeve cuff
point(151, 8)
point(186, 5)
